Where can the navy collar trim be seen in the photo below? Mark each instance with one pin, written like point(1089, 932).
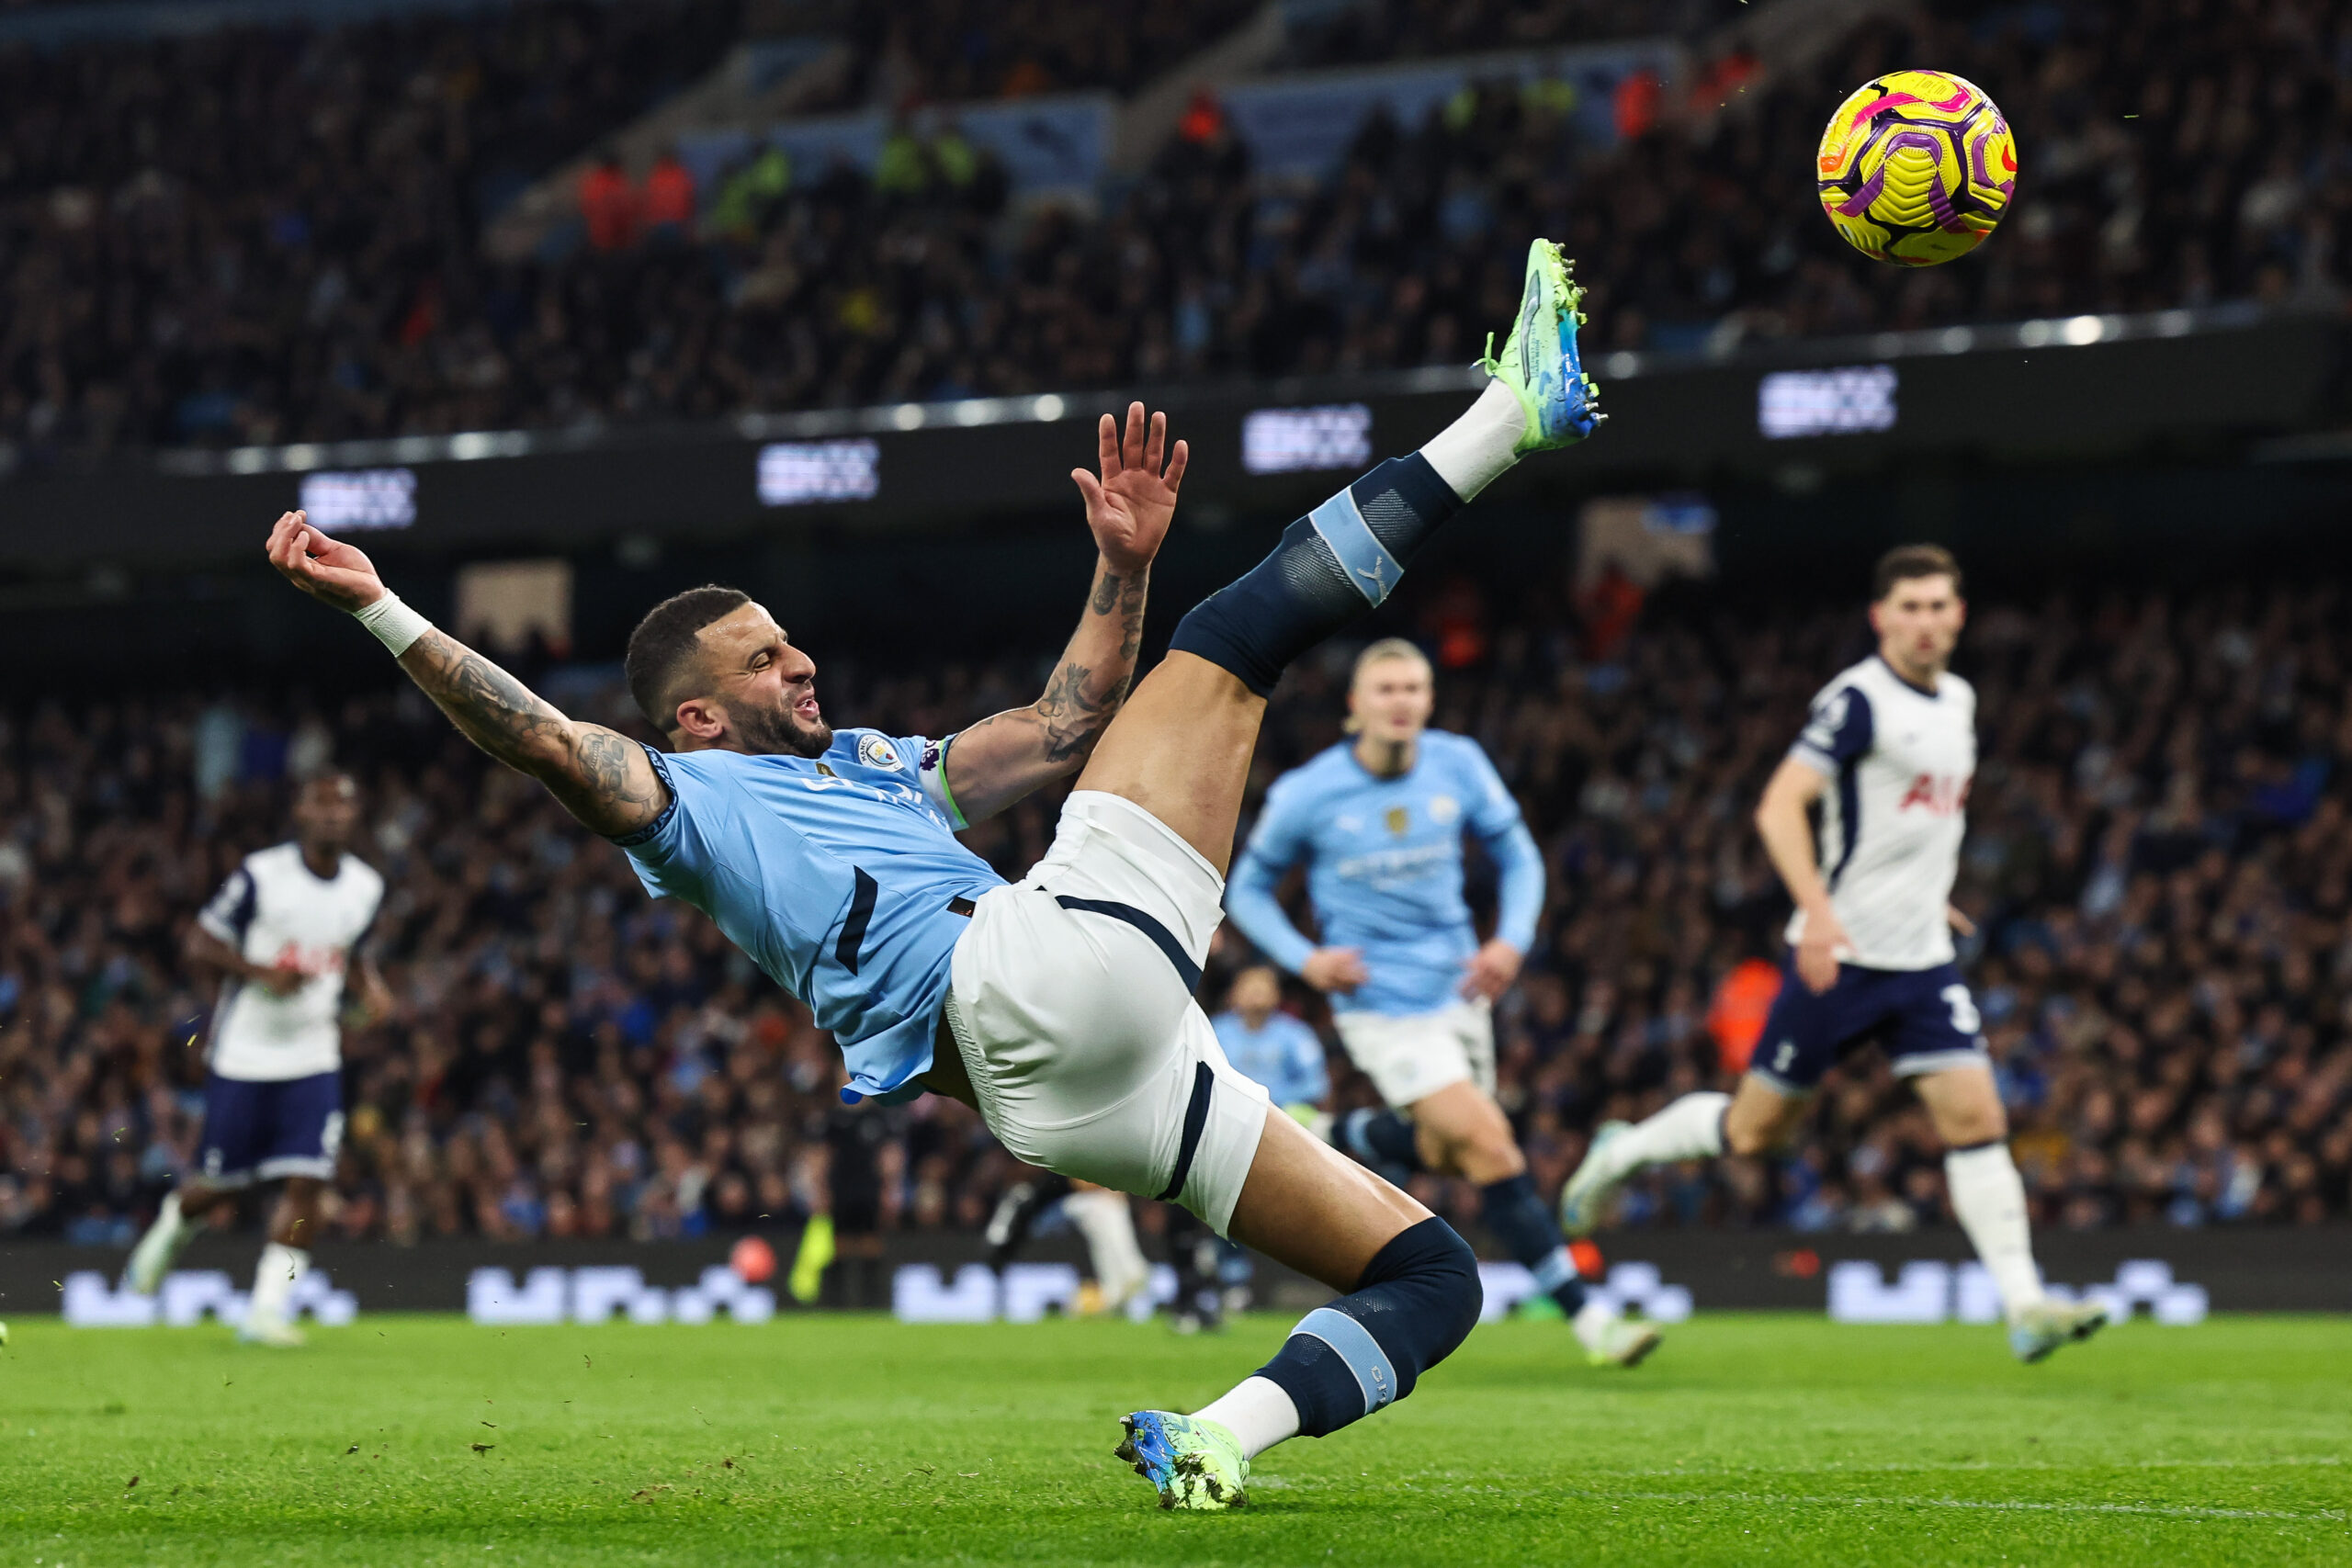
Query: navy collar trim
point(1930, 693)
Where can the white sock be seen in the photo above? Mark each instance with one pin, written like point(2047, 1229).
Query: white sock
point(274, 1280)
point(1592, 1321)
point(1989, 1197)
point(164, 1239)
point(1691, 1128)
point(1476, 450)
point(1259, 1413)
point(1109, 1226)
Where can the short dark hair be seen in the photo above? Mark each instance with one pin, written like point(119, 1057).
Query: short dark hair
point(664, 645)
point(1905, 562)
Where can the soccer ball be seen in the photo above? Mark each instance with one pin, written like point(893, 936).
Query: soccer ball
point(1916, 167)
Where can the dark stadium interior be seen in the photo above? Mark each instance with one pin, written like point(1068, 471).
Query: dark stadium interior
point(244, 285)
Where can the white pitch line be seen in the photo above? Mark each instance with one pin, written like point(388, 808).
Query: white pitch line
point(2322, 1515)
point(2284, 1462)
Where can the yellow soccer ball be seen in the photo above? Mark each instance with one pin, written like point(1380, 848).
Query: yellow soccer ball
point(1916, 167)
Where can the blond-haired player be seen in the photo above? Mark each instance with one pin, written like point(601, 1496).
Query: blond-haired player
point(1379, 822)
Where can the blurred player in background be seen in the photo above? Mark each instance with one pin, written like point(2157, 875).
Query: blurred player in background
point(284, 934)
point(861, 1151)
point(1379, 821)
point(1888, 755)
point(1104, 1219)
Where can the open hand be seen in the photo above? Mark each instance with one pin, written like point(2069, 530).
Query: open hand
point(1819, 951)
point(1129, 508)
point(1488, 972)
point(327, 569)
point(1337, 969)
point(279, 979)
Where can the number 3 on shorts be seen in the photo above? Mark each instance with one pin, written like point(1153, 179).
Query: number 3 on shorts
point(1964, 1016)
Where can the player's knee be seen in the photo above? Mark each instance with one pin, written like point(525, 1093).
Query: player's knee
point(1488, 1156)
point(1432, 1270)
point(1416, 1303)
point(1755, 1140)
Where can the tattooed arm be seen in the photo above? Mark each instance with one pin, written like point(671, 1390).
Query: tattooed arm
point(601, 777)
point(1001, 758)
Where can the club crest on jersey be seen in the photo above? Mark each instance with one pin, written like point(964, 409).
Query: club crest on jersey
point(1398, 819)
point(1939, 794)
point(876, 752)
point(1444, 809)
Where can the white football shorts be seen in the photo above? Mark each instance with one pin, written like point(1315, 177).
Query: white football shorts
point(1411, 1057)
point(1071, 998)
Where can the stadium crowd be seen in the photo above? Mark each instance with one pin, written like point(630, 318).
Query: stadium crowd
point(177, 267)
point(2160, 858)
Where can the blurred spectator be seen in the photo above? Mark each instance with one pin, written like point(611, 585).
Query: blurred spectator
point(667, 204)
point(249, 284)
point(609, 206)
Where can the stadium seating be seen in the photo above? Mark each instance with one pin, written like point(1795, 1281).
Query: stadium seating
point(242, 285)
point(2160, 854)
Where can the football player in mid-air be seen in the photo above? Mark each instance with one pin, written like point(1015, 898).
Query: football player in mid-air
point(284, 934)
point(1060, 1007)
point(1888, 754)
point(1379, 820)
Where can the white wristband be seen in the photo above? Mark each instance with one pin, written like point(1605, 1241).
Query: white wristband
point(395, 625)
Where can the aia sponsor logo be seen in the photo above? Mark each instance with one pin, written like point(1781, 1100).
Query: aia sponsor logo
point(1938, 794)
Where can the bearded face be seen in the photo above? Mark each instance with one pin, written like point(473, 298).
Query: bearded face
point(774, 729)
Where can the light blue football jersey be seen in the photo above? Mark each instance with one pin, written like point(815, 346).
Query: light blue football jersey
point(1284, 1054)
point(1384, 868)
point(835, 874)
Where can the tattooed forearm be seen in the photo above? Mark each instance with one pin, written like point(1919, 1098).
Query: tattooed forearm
point(1005, 756)
point(1075, 711)
point(490, 707)
point(1092, 681)
point(602, 778)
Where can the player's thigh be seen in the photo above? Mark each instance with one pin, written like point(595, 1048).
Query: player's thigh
point(1964, 1103)
point(236, 1123)
point(1763, 1116)
point(301, 1131)
point(1179, 748)
point(1468, 1131)
point(1939, 1040)
point(1310, 1208)
point(1805, 1033)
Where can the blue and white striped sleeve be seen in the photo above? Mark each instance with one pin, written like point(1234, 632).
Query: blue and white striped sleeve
point(1838, 731)
point(231, 912)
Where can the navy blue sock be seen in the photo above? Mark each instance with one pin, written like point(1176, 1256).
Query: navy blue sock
point(1381, 1137)
point(1417, 1301)
point(1522, 1221)
point(1333, 565)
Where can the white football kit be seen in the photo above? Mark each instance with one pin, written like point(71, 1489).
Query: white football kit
point(1899, 760)
point(275, 910)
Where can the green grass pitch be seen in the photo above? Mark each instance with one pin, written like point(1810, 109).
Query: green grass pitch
point(1747, 1440)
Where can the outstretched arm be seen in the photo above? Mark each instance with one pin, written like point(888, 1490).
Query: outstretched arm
point(1002, 758)
point(599, 776)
